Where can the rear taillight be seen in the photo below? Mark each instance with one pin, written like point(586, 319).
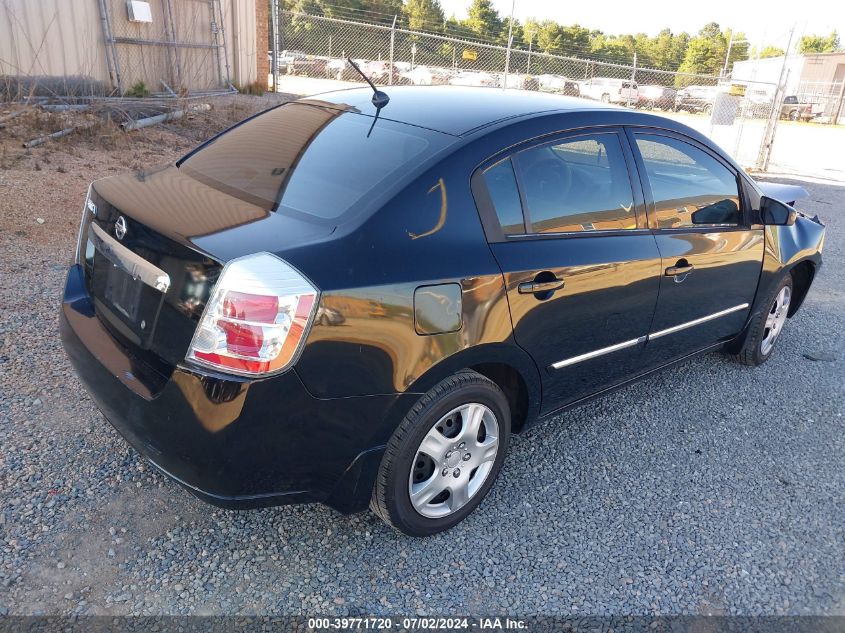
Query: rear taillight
point(256, 319)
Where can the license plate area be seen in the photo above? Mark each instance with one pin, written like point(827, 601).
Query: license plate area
point(125, 302)
point(123, 293)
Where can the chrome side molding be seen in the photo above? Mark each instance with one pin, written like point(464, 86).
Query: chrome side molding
point(126, 260)
point(694, 322)
point(599, 352)
point(642, 339)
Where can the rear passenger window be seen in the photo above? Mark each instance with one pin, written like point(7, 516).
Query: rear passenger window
point(690, 187)
point(577, 185)
point(501, 184)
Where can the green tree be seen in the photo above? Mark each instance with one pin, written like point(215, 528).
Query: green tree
point(739, 48)
point(706, 52)
point(530, 30)
point(382, 11)
point(613, 48)
point(820, 44)
point(574, 37)
point(549, 36)
point(483, 20)
point(424, 15)
point(518, 33)
point(665, 51)
point(769, 51)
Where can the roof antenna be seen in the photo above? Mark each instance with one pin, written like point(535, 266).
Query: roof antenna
point(380, 99)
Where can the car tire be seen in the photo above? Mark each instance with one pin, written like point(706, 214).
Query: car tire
point(764, 332)
point(708, 109)
point(605, 98)
point(446, 483)
point(794, 115)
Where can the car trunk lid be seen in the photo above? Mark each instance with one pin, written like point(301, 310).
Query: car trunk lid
point(153, 245)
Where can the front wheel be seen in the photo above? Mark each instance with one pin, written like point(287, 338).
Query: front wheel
point(444, 457)
point(767, 326)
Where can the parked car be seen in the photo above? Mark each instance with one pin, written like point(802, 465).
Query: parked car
point(519, 81)
point(342, 70)
point(696, 99)
point(757, 103)
point(610, 90)
point(379, 72)
point(298, 63)
point(474, 78)
point(425, 76)
point(559, 84)
point(796, 110)
point(335, 303)
point(654, 96)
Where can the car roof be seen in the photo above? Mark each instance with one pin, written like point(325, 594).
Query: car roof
point(457, 110)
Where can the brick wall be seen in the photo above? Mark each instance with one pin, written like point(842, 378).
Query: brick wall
point(262, 39)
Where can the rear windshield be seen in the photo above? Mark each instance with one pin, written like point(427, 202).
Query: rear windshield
point(310, 160)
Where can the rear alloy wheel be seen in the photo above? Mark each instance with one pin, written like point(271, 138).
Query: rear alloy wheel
point(454, 460)
point(765, 330)
point(444, 457)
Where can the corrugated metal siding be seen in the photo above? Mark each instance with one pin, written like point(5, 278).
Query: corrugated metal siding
point(60, 38)
point(51, 37)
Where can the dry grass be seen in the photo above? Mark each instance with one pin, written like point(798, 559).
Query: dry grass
point(50, 181)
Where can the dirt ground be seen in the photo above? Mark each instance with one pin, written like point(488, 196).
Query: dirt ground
point(49, 181)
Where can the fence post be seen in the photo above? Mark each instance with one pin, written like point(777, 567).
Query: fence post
point(510, 44)
point(633, 80)
point(769, 131)
point(111, 53)
point(528, 65)
point(392, 43)
point(274, 26)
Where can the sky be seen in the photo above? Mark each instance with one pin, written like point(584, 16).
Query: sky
point(762, 21)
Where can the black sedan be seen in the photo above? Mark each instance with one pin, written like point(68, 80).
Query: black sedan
point(337, 303)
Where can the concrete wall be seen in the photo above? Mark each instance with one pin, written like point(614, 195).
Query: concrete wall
point(60, 38)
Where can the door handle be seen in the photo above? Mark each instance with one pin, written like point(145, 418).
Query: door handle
point(537, 287)
point(679, 269)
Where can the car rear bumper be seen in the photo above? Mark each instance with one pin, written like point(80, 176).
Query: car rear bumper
point(232, 442)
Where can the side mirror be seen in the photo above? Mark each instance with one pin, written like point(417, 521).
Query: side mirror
point(776, 213)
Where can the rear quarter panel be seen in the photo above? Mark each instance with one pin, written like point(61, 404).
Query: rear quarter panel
point(428, 234)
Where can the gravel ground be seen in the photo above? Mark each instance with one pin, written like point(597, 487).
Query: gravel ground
point(713, 488)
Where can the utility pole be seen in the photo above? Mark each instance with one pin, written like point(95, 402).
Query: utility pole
point(510, 43)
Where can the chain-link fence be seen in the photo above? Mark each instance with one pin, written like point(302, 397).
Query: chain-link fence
point(317, 46)
point(178, 47)
point(818, 100)
point(740, 116)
